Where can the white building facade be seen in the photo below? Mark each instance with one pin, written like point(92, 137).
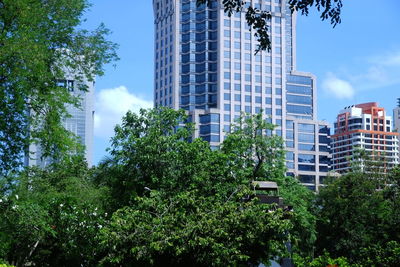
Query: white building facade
point(205, 63)
point(367, 127)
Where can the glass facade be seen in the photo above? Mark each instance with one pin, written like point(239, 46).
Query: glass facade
point(216, 76)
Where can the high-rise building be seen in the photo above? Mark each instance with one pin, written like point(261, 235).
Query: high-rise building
point(364, 126)
point(205, 63)
point(396, 117)
point(80, 123)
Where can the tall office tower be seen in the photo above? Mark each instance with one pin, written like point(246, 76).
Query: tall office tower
point(205, 63)
point(80, 123)
point(396, 117)
point(364, 126)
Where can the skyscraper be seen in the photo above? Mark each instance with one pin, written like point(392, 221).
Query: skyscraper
point(364, 126)
point(205, 63)
point(80, 123)
point(396, 117)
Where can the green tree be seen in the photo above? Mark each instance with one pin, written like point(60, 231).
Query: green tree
point(386, 254)
point(357, 211)
point(257, 19)
point(51, 217)
point(256, 154)
point(322, 261)
point(39, 44)
point(192, 230)
point(181, 202)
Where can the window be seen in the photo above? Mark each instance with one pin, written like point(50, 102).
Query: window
point(237, 55)
point(307, 178)
point(307, 128)
point(227, 54)
point(289, 156)
point(306, 138)
point(306, 147)
point(306, 167)
point(227, 44)
point(296, 99)
point(227, 117)
point(290, 144)
point(289, 135)
point(237, 66)
point(299, 109)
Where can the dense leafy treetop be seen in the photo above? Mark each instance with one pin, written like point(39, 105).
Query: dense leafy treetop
point(358, 211)
point(40, 45)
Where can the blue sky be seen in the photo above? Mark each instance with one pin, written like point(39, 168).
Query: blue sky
point(358, 61)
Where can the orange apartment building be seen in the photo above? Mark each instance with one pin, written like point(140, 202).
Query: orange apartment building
point(364, 126)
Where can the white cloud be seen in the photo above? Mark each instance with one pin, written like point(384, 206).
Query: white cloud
point(391, 58)
point(111, 105)
point(338, 88)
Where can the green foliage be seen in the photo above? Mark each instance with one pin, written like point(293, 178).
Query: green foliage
point(39, 45)
point(381, 255)
point(254, 154)
point(182, 203)
point(192, 230)
point(321, 261)
point(51, 217)
point(356, 212)
point(257, 156)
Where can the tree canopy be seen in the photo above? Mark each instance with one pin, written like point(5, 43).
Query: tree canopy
point(40, 44)
point(159, 198)
point(163, 198)
point(358, 218)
